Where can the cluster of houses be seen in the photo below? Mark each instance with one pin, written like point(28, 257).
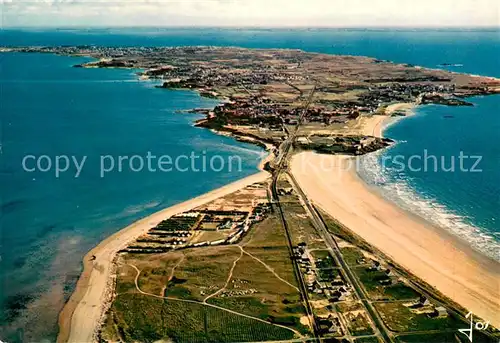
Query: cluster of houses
point(320, 276)
point(238, 222)
point(261, 113)
point(208, 74)
point(254, 110)
point(171, 233)
point(258, 73)
point(400, 92)
point(256, 215)
point(385, 279)
point(424, 306)
point(285, 191)
point(420, 306)
point(330, 325)
point(237, 292)
point(177, 231)
point(168, 243)
point(264, 114)
point(215, 220)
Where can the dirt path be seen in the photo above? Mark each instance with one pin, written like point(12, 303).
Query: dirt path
point(269, 268)
point(136, 281)
point(171, 275)
point(174, 267)
point(228, 278)
point(81, 317)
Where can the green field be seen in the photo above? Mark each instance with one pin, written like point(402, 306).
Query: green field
point(351, 255)
point(320, 254)
point(202, 270)
point(142, 318)
point(356, 318)
point(288, 314)
point(267, 242)
point(359, 324)
point(399, 318)
point(300, 226)
point(343, 232)
point(325, 275)
point(376, 291)
point(262, 286)
point(326, 263)
point(275, 300)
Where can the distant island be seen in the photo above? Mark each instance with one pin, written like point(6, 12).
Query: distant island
point(294, 252)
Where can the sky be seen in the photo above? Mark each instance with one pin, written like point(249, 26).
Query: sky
point(266, 13)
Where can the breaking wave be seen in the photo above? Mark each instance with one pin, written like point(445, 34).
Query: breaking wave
point(397, 188)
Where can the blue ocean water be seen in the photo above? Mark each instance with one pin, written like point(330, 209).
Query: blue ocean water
point(460, 195)
point(48, 222)
point(47, 107)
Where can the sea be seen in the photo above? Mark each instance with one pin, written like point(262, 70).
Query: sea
point(49, 110)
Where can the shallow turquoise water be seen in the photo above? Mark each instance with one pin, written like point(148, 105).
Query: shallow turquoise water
point(47, 107)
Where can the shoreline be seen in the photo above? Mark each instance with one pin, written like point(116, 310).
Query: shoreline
point(87, 261)
point(376, 126)
point(82, 314)
point(431, 253)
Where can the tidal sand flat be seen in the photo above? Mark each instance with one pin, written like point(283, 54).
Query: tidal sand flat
point(442, 260)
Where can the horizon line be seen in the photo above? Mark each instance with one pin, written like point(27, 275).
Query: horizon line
point(261, 27)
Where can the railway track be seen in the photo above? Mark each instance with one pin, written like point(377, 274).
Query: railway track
point(279, 166)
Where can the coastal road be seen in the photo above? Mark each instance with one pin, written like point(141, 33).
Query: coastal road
point(278, 168)
point(284, 149)
point(82, 315)
point(296, 268)
point(322, 230)
point(333, 246)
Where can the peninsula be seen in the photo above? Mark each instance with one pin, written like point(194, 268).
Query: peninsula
point(291, 253)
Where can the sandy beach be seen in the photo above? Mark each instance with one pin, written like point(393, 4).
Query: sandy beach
point(431, 253)
point(81, 316)
point(374, 125)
